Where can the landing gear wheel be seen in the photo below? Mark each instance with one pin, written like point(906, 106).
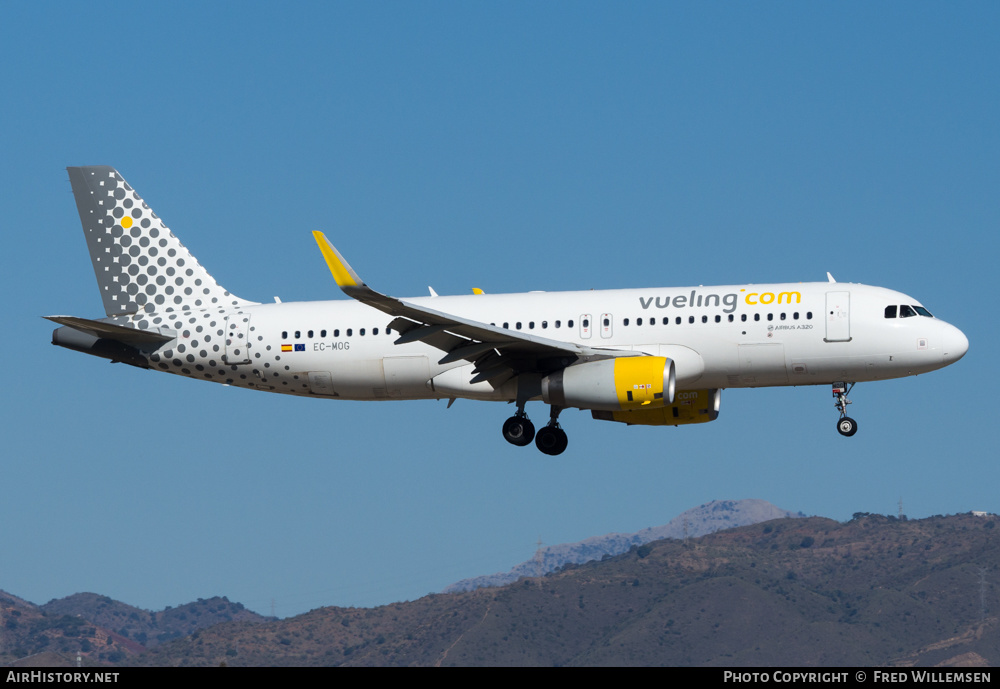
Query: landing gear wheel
point(551, 440)
point(847, 426)
point(518, 430)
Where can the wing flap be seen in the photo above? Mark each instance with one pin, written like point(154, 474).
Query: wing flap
point(469, 352)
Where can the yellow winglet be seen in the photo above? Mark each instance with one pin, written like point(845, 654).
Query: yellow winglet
point(341, 270)
point(476, 290)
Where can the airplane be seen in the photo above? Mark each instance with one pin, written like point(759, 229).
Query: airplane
point(656, 357)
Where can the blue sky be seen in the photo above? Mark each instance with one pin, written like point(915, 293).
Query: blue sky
point(507, 146)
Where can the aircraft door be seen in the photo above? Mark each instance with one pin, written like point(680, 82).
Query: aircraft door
point(838, 317)
point(586, 326)
point(237, 339)
point(607, 323)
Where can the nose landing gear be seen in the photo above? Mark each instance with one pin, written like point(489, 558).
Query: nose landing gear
point(846, 426)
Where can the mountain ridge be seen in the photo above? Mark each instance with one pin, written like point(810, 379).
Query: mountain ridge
point(698, 521)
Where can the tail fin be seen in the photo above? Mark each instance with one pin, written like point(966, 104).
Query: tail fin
point(139, 263)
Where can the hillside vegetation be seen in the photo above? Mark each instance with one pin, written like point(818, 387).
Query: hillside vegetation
point(873, 591)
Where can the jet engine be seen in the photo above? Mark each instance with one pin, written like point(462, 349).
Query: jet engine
point(613, 385)
point(690, 406)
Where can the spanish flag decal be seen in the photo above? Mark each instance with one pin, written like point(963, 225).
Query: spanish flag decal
point(286, 348)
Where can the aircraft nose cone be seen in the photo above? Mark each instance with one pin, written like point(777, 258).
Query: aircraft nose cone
point(956, 344)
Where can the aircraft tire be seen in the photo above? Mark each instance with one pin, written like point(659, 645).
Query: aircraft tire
point(551, 441)
point(518, 430)
point(847, 426)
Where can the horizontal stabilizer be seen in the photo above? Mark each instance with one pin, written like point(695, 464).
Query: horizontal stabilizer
point(110, 331)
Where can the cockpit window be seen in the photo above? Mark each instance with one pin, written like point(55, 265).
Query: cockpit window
point(907, 311)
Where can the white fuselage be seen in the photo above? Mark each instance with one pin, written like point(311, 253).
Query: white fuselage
point(718, 337)
point(657, 356)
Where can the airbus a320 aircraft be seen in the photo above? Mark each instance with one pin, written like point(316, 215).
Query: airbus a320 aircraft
point(657, 356)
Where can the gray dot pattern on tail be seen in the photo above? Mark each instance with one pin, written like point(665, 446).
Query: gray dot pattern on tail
point(140, 265)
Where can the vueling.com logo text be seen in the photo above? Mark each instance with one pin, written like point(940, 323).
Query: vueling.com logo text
point(728, 300)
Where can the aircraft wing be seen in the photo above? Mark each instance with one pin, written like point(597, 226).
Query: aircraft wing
point(498, 353)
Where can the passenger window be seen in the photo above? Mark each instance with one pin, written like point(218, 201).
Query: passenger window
point(586, 323)
point(361, 332)
point(336, 332)
point(704, 319)
point(517, 325)
point(388, 331)
point(506, 325)
point(756, 316)
point(770, 316)
point(743, 317)
point(809, 315)
point(284, 334)
point(350, 331)
point(558, 324)
point(569, 324)
point(310, 334)
point(374, 331)
point(624, 322)
point(890, 311)
point(678, 321)
point(322, 333)
point(531, 325)
point(666, 321)
point(690, 319)
point(731, 319)
point(718, 319)
point(298, 334)
point(607, 322)
point(545, 324)
point(795, 316)
point(638, 321)
point(782, 315)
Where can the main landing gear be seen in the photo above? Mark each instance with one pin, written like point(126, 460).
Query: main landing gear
point(846, 426)
point(518, 430)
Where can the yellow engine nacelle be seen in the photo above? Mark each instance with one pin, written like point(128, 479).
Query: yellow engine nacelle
point(633, 382)
point(691, 406)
